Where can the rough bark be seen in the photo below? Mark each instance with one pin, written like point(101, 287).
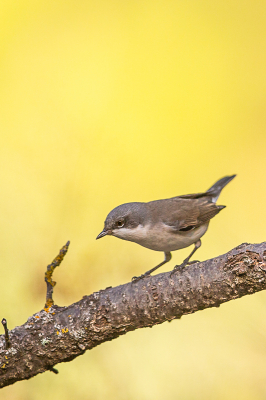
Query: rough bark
point(60, 334)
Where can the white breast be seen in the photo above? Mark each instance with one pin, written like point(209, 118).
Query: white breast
point(160, 238)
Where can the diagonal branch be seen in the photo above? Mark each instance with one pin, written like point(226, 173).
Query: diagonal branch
point(60, 334)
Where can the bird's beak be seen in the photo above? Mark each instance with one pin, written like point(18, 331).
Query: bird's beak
point(103, 233)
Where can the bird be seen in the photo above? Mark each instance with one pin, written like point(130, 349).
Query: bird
point(166, 225)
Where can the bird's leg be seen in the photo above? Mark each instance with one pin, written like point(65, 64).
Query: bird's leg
point(167, 257)
point(186, 260)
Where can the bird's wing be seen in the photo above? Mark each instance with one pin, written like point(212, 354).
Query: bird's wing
point(186, 214)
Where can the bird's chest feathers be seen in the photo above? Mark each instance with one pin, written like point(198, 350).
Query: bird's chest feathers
point(137, 234)
point(159, 237)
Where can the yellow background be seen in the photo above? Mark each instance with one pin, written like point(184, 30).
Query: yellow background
point(106, 102)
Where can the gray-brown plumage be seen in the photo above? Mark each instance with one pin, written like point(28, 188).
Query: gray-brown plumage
point(166, 225)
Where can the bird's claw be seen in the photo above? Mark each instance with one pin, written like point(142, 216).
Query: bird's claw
point(177, 268)
point(138, 278)
point(183, 265)
point(192, 262)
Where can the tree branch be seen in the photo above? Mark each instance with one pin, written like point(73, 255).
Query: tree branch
point(59, 334)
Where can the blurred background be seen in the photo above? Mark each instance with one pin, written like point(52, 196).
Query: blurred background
point(106, 102)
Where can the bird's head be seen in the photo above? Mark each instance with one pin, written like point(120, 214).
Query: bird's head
point(122, 220)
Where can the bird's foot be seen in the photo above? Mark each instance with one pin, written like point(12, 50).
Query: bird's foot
point(177, 268)
point(192, 262)
point(182, 266)
point(138, 278)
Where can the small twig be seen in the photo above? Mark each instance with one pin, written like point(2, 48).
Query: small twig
point(4, 323)
point(54, 370)
point(48, 276)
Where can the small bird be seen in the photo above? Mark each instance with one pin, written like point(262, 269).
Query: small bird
point(166, 225)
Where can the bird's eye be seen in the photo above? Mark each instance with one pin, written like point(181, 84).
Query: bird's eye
point(120, 223)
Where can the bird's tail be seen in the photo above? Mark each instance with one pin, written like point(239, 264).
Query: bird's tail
point(216, 189)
